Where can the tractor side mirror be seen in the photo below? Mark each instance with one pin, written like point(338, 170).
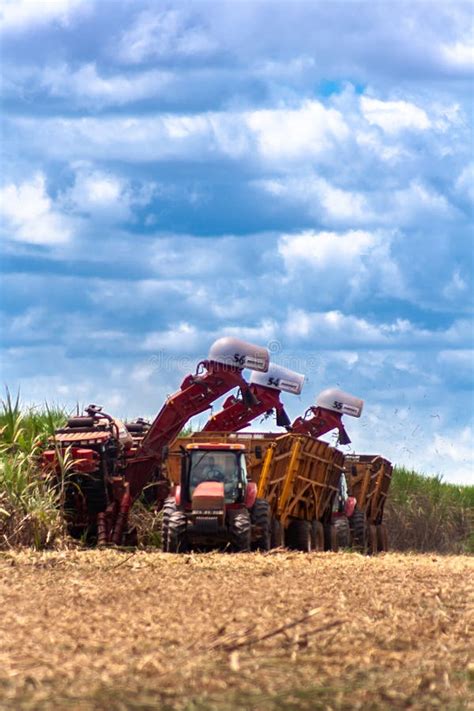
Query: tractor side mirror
point(258, 452)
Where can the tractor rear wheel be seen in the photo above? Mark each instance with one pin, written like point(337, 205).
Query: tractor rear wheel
point(298, 535)
point(261, 518)
point(169, 507)
point(358, 526)
point(177, 540)
point(240, 530)
point(277, 539)
point(343, 532)
point(317, 535)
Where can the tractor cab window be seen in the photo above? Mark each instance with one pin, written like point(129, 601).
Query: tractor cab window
point(222, 466)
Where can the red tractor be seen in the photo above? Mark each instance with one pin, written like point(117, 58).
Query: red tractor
point(215, 504)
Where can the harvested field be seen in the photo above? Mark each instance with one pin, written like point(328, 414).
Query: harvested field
point(115, 630)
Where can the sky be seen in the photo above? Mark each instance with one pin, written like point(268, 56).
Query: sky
point(296, 174)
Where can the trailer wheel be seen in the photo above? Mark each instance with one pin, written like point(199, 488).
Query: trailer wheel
point(317, 535)
point(298, 535)
point(169, 507)
point(177, 541)
point(240, 530)
point(343, 532)
point(330, 538)
point(261, 518)
point(277, 539)
point(382, 537)
point(358, 526)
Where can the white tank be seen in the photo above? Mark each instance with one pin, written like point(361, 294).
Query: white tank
point(339, 401)
point(239, 354)
point(279, 378)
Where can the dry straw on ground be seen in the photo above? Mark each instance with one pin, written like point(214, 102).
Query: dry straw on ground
point(110, 630)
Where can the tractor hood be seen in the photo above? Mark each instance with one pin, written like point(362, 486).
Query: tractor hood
point(208, 496)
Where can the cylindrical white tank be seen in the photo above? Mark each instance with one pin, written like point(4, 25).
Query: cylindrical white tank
point(239, 354)
point(279, 378)
point(339, 401)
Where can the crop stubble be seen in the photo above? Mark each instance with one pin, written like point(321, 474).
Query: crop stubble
point(110, 630)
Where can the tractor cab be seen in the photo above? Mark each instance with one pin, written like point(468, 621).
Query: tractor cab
point(223, 464)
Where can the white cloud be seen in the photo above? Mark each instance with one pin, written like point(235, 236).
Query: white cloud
point(18, 15)
point(183, 338)
point(305, 131)
point(335, 205)
point(161, 34)
point(103, 195)
point(394, 116)
point(455, 287)
point(331, 329)
point(460, 54)
point(29, 214)
point(352, 263)
point(416, 202)
point(457, 448)
point(465, 182)
point(87, 87)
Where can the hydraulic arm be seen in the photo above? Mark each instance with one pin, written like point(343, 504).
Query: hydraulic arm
point(262, 397)
point(331, 404)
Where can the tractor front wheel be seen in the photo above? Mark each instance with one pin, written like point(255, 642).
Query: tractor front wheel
point(169, 507)
point(177, 540)
point(240, 530)
point(261, 519)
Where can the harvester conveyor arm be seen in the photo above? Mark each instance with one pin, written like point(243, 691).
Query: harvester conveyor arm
point(238, 413)
point(196, 395)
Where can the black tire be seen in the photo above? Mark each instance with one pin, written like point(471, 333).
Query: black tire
point(317, 535)
point(343, 532)
point(177, 541)
point(261, 518)
point(277, 539)
point(240, 530)
point(169, 507)
point(358, 526)
point(298, 535)
point(330, 538)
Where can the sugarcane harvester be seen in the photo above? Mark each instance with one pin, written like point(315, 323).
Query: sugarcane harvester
point(105, 475)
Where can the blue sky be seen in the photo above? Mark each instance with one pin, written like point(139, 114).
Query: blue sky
point(299, 174)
